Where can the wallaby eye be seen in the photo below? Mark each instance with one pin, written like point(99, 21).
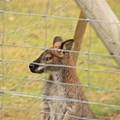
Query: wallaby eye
point(46, 58)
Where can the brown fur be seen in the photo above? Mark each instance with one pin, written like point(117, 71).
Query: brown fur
point(61, 108)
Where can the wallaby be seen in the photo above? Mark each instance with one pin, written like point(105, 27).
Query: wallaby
point(70, 102)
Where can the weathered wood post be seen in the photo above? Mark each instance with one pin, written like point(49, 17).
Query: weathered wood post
point(105, 23)
point(78, 36)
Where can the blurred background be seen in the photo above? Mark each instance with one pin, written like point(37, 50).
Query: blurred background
point(26, 28)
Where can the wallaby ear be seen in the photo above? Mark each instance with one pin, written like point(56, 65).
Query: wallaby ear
point(67, 45)
point(57, 42)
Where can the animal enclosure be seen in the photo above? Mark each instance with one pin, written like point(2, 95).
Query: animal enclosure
point(27, 28)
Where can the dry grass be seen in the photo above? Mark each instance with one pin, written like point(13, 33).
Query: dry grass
point(26, 34)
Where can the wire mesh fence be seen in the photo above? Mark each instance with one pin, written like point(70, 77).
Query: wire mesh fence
point(27, 28)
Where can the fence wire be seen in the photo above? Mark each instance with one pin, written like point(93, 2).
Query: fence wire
point(27, 28)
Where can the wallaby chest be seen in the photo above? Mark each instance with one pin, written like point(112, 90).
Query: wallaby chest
point(56, 91)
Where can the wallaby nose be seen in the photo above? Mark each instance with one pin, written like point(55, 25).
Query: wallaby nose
point(32, 67)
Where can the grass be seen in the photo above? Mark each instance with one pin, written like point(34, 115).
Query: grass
point(27, 33)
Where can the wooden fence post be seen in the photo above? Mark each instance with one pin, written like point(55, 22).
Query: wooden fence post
point(78, 36)
point(105, 23)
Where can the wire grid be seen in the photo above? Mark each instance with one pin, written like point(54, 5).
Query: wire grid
point(27, 28)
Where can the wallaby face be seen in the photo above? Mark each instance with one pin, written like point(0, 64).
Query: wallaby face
point(51, 59)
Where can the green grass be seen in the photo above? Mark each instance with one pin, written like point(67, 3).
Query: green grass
point(27, 33)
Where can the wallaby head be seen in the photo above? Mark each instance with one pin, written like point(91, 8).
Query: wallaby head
point(50, 59)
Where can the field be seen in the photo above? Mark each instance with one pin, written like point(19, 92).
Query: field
point(26, 28)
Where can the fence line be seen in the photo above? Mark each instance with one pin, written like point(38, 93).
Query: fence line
point(13, 85)
point(59, 99)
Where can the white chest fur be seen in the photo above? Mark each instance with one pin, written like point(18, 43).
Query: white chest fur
point(57, 92)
